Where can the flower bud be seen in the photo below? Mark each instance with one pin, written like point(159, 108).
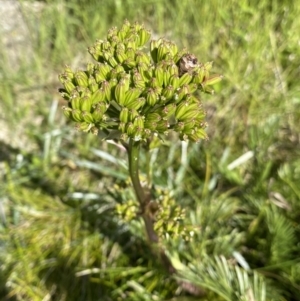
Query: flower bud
point(120, 91)
point(153, 117)
point(174, 81)
point(154, 49)
point(162, 50)
point(97, 115)
point(132, 113)
point(107, 90)
point(75, 102)
point(121, 56)
point(76, 115)
point(181, 93)
point(129, 63)
point(122, 127)
point(98, 96)
point(212, 80)
point(159, 74)
point(168, 92)
point(67, 112)
point(87, 117)
point(135, 103)
point(68, 85)
point(81, 78)
point(138, 122)
point(144, 36)
point(138, 80)
point(124, 118)
point(185, 79)
point(162, 126)
point(151, 97)
point(85, 104)
point(92, 85)
point(132, 94)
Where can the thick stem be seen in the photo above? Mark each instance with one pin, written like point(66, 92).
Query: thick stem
point(142, 197)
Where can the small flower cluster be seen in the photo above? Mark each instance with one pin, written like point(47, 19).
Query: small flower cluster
point(137, 95)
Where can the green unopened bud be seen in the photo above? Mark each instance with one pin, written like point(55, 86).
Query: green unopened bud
point(130, 129)
point(130, 52)
point(181, 109)
point(192, 88)
point(208, 66)
point(68, 73)
point(132, 94)
point(115, 40)
point(138, 122)
point(163, 126)
point(151, 97)
point(144, 36)
point(110, 59)
point(101, 106)
point(159, 73)
point(208, 90)
point(121, 55)
point(173, 49)
point(168, 110)
point(120, 70)
point(93, 86)
point(81, 78)
point(138, 80)
point(67, 112)
point(212, 80)
point(174, 81)
point(97, 115)
point(132, 113)
point(69, 86)
point(124, 115)
point(94, 53)
point(104, 70)
point(142, 57)
point(181, 93)
point(107, 90)
point(76, 115)
point(90, 69)
point(153, 117)
point(197, 135)
point(129, 63)
point(192, 112)
point(112, 32)
point(122, 33)
point(168, 92)
point(98, 96)
point(162, 50)
point(120, 91)
point(150, 125)
point(87, 117)
point(85, 104)
point(84, 126)
point(132, 42)
point(185, 79)
point(75, 102)
point(154, 49)
point(122, 127)
point(189, 125)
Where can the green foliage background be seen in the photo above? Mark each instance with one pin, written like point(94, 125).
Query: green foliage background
point(62, 236)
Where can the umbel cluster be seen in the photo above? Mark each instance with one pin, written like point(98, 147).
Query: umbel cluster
point(134, 94)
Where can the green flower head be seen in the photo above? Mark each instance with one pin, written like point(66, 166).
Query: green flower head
point(136, 94)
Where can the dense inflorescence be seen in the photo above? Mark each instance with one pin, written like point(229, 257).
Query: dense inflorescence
point(129, 93)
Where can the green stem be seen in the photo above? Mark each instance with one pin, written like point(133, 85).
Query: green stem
point(142, 197)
